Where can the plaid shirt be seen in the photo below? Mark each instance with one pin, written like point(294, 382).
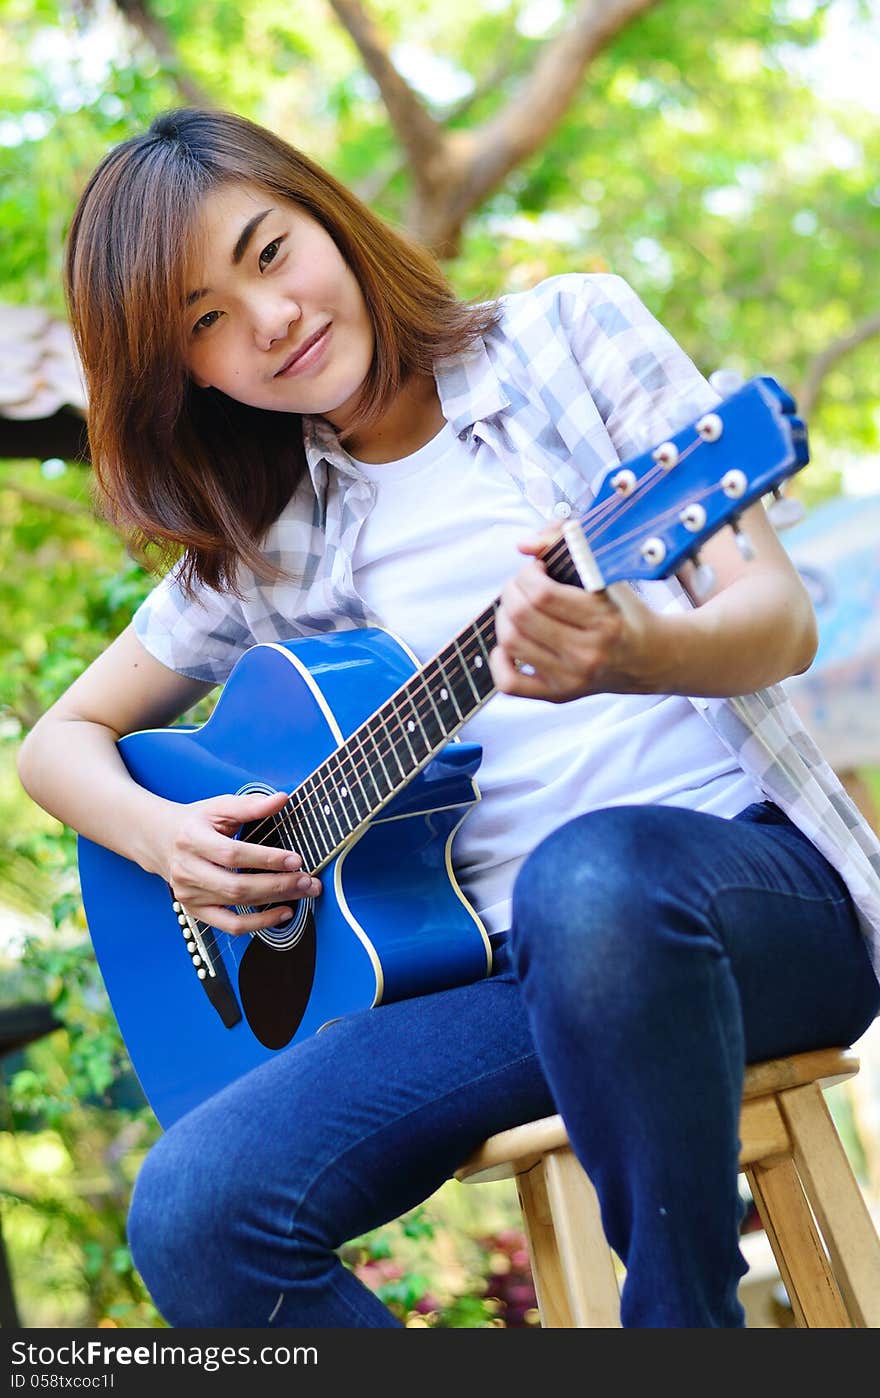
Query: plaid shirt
point(577, 376)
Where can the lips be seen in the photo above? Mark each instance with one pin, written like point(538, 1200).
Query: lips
point(302, 350)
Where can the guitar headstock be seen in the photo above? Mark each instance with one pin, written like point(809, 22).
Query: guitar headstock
point(654, 511)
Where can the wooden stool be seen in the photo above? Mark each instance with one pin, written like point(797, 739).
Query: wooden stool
point(798, 1173)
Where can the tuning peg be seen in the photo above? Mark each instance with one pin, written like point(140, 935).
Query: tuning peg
point(743, 542)
point(703, 578)
point(784, 511)
point(726, 381)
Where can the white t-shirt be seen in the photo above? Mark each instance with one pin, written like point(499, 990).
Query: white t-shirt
point(438, 545)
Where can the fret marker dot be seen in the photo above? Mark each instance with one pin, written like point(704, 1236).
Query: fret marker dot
point(343, 792)
point(411, 726)
point(478, 663)
point(444, 694)
point(326, 810)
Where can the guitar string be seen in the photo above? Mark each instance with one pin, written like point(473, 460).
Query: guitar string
point(283, 822)
point(433, 669)
point(324, 784)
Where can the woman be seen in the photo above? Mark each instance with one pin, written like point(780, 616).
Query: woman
point(287, 391)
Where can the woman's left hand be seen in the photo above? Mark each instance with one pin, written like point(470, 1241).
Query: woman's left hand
point(574, 642)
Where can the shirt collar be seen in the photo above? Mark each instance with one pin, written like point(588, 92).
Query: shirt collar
point(469, 389)
point(321, 443)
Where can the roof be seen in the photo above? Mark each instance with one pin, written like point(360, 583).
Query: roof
point(39, 367)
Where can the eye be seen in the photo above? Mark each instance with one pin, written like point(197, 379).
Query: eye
point(206, 321)
point(269, 253)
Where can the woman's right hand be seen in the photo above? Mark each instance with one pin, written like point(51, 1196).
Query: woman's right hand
point(209, 870)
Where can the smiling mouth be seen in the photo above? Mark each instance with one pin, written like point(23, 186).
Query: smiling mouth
point(303, 350)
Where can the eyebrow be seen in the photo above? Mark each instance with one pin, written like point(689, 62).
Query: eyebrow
point(238, 252)
point(246, 234)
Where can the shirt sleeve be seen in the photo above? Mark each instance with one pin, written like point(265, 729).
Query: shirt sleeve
point(201, 637)
point(643, 383)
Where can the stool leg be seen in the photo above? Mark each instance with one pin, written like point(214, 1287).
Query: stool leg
point(572, 1267)
point(837, 1201)
point(797, 1247)
point(550, 1288)
point(587, 1263)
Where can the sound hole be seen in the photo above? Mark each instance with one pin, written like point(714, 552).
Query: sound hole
point(282, 934)
point(274, 986)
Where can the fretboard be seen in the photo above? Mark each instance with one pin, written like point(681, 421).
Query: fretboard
point(393, 745)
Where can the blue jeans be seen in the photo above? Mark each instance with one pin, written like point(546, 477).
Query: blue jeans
point(654, 952)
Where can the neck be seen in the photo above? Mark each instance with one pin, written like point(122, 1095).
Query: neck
point(413, 419)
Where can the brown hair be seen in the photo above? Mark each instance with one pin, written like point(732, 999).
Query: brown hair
point(177, 466)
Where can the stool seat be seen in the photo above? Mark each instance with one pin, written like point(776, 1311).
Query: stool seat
point(808, 1198)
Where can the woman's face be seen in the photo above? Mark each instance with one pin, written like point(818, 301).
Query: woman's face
point(276, 318)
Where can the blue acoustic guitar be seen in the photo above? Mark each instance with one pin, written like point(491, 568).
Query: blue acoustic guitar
point(365, 741)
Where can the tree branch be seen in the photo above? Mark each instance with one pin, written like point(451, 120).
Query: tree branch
point(375, 183)
point(824, 362)
point(45, 500)
point(524, 125)
point(141, 18)
point(418, 132)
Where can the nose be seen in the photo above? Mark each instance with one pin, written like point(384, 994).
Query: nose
point(272, 317)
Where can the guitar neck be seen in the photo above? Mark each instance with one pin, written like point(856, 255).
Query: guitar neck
point(377, 761)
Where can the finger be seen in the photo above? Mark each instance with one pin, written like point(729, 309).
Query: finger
point(561, 601)
point(233, 810)
point(532, 636)
point(258, 915)
point(246, 854)
point(200, 837)
point(537, 544)
point(255, 802)
point(511, 680)
point(227, 920)
point(539, 641)
point(199, 879)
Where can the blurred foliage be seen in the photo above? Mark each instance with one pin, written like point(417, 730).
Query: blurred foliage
point(702, 159)
point(705, 159)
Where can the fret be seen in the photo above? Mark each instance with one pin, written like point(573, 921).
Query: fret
point(363, 735)
point(466, 671)
point(449, 686)
point(352, 767)
point(432, 717)
point(316, 835)
point(312, 814)
point(297, 838)
point(413, 727)
point(335, 793)
point(369, 733)
point(327, 810)
point(354, 786)
point(484, 628)
point(402, 750)
point(406, 729)
point(456, 664)
point(311, 857)
point(441, 697)
point(383, 716)
point(311, 854)
point(346, 793)
point(560, 565)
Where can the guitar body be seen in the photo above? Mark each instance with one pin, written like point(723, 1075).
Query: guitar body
point(390, 923)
